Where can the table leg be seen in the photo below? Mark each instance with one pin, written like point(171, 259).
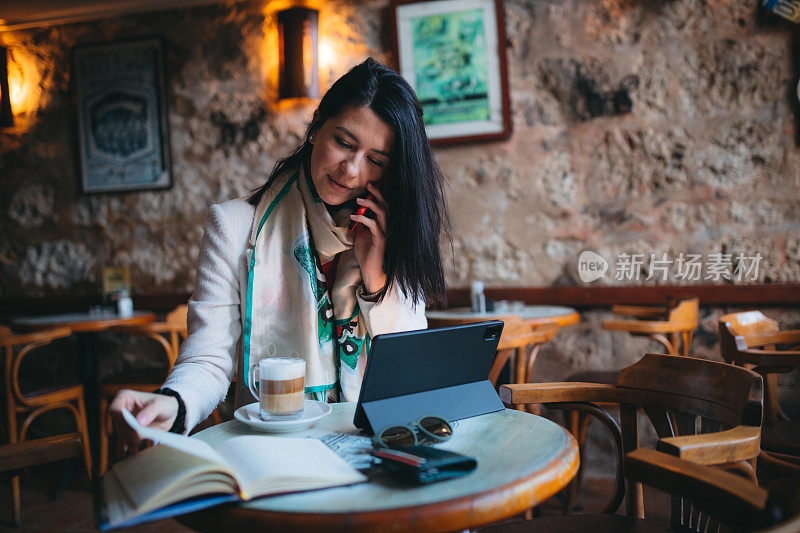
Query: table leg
point(499, 373)
point(520, 363)
point(505, 373)
point(531, 360)
point(88, 374)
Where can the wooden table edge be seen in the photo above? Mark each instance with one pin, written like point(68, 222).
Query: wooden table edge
point(94, 325)
point(450, 515)
point(561, 320)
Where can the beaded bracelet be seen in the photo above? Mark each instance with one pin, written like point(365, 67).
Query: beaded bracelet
point(369, 296)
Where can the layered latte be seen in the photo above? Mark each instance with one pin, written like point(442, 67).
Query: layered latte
point(282, 386)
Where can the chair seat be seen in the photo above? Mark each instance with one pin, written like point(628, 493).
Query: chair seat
point(599, 523)
point(782, 437)
point(34, 386)
point(608, 377)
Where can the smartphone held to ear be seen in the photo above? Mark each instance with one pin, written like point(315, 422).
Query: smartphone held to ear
point(362, 210)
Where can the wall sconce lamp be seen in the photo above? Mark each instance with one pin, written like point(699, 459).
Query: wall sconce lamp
point(298, 42)
point(6, 115)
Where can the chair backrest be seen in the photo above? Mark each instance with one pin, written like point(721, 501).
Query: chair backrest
point(5, 331)
point(687, 310)
point(742, 324)
point(688, 396)
point(672, 326)
point(518, 333)
point(749, 323)
point(14, 457)
point(738, 503)
point(178, 318)
point(169, 333)
point(16, 348)
point(733, 329)
point(681, 389)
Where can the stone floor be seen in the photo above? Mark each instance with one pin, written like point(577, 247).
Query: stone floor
point(72, 511)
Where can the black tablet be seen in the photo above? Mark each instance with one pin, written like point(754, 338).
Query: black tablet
point(442, 372)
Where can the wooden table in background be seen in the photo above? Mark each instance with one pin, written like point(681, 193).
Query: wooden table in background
point(85, 322)
point(85, 326)
point(523, 459)
point(535, 315)
point(526, 330)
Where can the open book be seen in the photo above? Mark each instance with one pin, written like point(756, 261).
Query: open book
point(181, 474)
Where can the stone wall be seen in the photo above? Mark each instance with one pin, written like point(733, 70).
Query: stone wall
point(640, 126)
point(704, 162)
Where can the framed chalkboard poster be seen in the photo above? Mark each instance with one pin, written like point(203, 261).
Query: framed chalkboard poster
point(123, 135)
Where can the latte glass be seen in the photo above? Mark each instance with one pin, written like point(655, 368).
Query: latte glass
point(279, 385)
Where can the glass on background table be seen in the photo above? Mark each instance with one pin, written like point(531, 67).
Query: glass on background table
point(523, 459)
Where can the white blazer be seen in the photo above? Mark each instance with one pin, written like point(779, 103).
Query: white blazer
point(208, 358)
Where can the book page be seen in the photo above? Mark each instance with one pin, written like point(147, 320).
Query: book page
point(120, 509)
point(118, 505)
point(269, 465)
point(162, 474)
point(177, 467)
point(183, 443)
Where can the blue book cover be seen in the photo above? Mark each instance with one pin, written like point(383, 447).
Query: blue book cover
point(182, 474)
point(187, 506)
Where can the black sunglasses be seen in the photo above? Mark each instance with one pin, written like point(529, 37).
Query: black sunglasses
point(427, 430)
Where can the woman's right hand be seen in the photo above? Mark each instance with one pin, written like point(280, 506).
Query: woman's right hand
point(153, 410)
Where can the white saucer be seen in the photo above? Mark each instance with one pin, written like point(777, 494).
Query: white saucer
point(312, 411)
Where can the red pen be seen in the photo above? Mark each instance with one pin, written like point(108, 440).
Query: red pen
point(360, 212)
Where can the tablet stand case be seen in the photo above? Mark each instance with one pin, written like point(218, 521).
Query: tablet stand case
point(441, 372)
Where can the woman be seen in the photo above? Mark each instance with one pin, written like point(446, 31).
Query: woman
point(280, 273)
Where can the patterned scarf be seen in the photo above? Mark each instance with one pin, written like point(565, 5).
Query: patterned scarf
point(290, 310)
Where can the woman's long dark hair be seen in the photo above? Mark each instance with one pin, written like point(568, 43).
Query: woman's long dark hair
point(413, 187)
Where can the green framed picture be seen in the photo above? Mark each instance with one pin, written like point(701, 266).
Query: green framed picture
point(452, 53)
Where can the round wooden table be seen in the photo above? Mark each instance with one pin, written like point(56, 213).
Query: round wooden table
point(85, 325)
point(535, 315)
point(85, 322)
point(523, 459)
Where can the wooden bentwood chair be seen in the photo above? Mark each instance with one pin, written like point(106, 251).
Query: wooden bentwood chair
point(168, 334)
point(20, 455)
point(752, 340)
point(703, 411)
point(671, 326)
point(737, 503)
point(31, 398)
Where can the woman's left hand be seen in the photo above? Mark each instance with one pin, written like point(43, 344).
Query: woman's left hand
point(370, 240)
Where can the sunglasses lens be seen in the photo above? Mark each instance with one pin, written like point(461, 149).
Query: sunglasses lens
point(436, 426)
point(398, 436)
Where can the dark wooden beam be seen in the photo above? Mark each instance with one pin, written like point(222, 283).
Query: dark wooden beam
point(50, 305)
point(752, 296)
point(586, 297)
